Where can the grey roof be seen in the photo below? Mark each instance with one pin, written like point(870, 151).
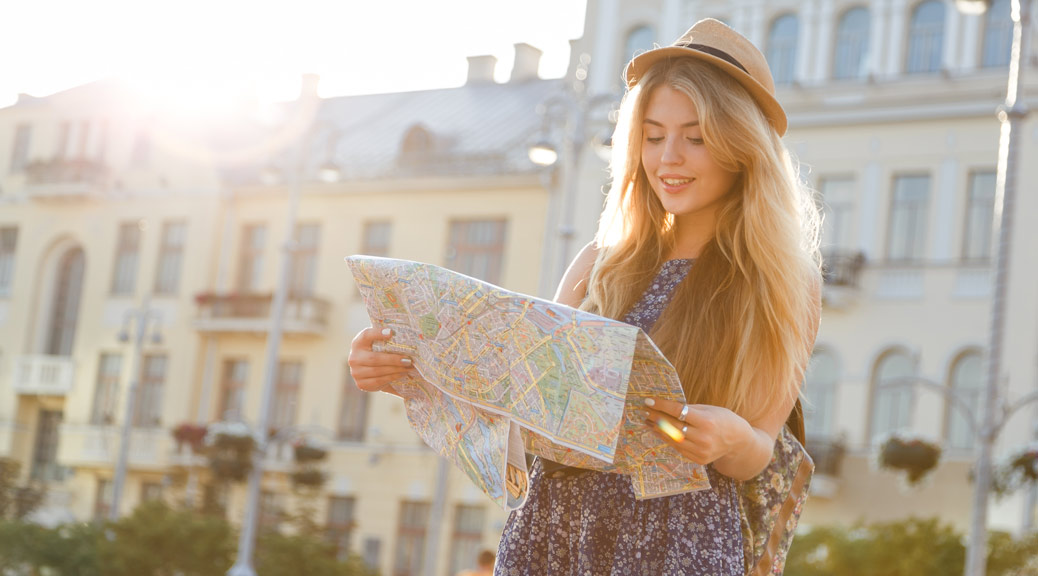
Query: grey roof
point(473, 129)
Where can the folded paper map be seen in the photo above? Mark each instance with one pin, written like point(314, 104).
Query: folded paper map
point(497, 374)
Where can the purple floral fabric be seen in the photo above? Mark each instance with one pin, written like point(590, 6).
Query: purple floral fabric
point(583, 522)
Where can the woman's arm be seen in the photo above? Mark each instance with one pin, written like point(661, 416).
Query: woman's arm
point(737, 448)
point(573, 287)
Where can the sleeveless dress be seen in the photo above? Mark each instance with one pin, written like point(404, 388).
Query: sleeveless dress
point(588, 523)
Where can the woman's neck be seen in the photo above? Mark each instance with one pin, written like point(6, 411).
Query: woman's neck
point(690, 236)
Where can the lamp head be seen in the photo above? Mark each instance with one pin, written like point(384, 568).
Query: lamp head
point(329, 172)
point(543, 153)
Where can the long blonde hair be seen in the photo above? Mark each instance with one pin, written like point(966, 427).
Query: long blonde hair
point(739, 328)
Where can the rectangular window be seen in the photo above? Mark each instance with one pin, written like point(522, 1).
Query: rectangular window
point(103, 499)
point(980, 215)
point(45, 466)
point(353, 415)
point(477, 248)
point(906, 239)
point(372, 552)
point(341, 520)
point(8, 244)
point(304, 260)
point(410, 538)
point(20, 150)
point(148, 407)
point(250, 263)
point(64, 136)
point(467, 539)
point(124, 277)
point(838, 209)
point(151, 492)
point(232, 390)
point(171, 255)
point(106, 393)
point(376, 239)
point(286, 395)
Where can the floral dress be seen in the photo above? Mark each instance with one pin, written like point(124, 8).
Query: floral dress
point(588, 523)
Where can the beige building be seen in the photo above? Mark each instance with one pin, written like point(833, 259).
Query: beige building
point(108, 205)
point(892, 116)
point(111, 209)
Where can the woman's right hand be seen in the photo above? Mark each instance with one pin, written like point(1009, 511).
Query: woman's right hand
point(374, 371)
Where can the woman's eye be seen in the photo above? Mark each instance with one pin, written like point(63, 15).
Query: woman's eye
point(696, 141)
point(654, 139)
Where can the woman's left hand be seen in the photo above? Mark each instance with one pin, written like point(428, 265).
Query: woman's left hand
point(705, 434)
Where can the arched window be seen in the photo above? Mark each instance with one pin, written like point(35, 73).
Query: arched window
point(64, 314)
point(852, 44)
point(998, 35)
point(965, 381)
point(639, 39)
point(891, 395)
point(926, 38)
point(820, 390)
point(782, 48)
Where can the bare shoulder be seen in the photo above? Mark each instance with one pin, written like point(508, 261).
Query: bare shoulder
point(573, 287)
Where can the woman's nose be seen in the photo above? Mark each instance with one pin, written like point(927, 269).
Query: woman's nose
point(671, 152)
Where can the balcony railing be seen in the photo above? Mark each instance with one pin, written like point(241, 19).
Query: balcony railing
point(65, 177)
point(46, 375)
point(251, 313)
point(841, 272)
point(88, 445)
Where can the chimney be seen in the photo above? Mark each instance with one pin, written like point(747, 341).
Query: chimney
point(308, 86)
point(481, 69)
point(527, 60)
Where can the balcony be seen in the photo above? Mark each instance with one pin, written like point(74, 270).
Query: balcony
point(250, 313)
point(65, 178)
point(97, 446)
point(46, 375)
point(841, 274)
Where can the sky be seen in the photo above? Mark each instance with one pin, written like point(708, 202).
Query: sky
point(195, 49)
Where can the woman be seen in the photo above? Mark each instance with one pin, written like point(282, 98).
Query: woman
point(709, 243)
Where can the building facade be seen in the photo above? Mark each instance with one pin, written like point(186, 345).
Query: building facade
point(892, 117)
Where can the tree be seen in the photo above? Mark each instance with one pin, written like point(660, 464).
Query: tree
point(16, 501)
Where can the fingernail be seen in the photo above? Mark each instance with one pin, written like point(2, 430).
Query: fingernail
point(405, 361)
point(650, 402)
point(386, 332)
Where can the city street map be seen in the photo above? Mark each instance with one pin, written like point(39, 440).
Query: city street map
point(498, 374)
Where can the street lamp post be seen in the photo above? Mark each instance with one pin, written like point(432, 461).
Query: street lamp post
point(247, 537)
point(142, 317)
point(1011, 116)
point(581, 119)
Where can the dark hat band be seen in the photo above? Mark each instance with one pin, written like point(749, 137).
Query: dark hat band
point(714, 52)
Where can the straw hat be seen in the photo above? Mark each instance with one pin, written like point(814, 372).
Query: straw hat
point(714, 42)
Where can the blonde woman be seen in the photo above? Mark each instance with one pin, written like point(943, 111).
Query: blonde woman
point(709, 243)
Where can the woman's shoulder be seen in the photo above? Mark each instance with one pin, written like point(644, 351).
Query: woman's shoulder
point(573, 287)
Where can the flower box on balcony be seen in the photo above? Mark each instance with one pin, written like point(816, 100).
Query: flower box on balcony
point(306, 452)
point(307, 478)
point(912, 455)
point(190, 434)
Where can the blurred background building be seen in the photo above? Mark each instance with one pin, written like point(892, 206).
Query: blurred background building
point(110, 209)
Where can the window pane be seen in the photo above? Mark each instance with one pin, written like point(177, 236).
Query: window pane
point(998, 35)
point(124, 278)
point(852, 44)
point(820, 390)
point(304, 260)
point(286, 395)
point(891, 405)
point(466, 542)
point(250, 264)
point(782, 48)
point(414, 517)
point(8, 244)
point(477, 248)
point(639, 40)
point(926, 38)
point(376, 239)
point(232, 395)
point(908, 215)
point(148, 412)
point(980, 209)
point(170, 256)
point(20, 150)
point(353, 415)
point(106, 392)
point(966, 382)
point(340, 523)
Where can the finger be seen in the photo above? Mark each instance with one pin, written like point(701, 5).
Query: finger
point(377, 371)
point(669, 407)
point(369, 335)
point(669, 427)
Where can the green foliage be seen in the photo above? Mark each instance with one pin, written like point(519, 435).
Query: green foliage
point(16, 501)
point(905, 548)
point(162, 541)
point(157, 540)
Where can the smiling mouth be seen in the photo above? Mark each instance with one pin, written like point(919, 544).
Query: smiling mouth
point(675, 181)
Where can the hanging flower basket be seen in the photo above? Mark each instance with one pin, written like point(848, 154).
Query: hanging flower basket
point(1016, 471)
point(305, 451)
point(308, 477)
point(191, 434)
point(912, 455)
point(230, 466)
point(230, 435)
point(230, 446)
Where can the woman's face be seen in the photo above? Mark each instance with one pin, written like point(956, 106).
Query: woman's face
point(685, 177)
